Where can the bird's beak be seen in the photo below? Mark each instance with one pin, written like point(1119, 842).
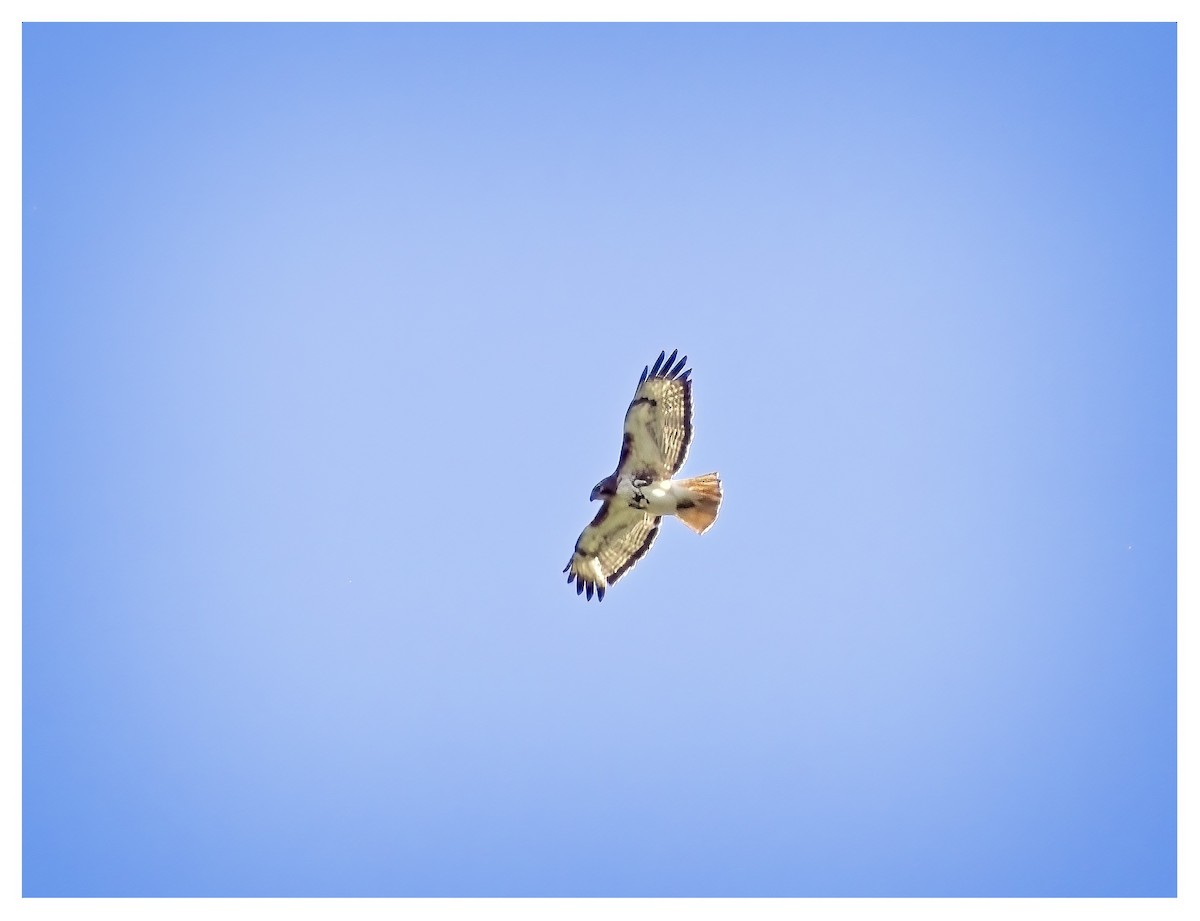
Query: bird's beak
point(595, 494)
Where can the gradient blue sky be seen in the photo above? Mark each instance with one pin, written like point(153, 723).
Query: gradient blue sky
point(329, 331)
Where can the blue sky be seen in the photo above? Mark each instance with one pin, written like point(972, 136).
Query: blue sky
point(329, 331)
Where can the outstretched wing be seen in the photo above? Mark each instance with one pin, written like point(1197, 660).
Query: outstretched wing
point(658, 423)
point(608, 547)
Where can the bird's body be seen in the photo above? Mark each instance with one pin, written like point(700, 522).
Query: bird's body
point(643, 490)
point(657, 497)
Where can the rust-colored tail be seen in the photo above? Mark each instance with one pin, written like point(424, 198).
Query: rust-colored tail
point(704, 492)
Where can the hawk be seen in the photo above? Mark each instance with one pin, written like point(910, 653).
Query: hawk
point(636, 496)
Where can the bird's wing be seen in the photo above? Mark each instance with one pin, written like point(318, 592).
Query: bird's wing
point(608, 547)
point(658, 423)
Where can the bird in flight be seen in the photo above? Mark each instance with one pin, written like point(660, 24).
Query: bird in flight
point(636, 496)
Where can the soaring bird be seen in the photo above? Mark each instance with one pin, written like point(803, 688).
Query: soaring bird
point(636, 496)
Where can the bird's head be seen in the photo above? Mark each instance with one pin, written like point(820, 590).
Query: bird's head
point(603, 490)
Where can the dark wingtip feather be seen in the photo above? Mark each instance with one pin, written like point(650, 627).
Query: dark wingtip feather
point(599, 592)
point(590, 591)
point(670, 361)
point(642, 379)
point(685, 375)
point(568, 566)
point(579, 587)
point(570, 578)
point(658, 363)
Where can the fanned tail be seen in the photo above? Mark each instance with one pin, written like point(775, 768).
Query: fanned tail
point(704, 492)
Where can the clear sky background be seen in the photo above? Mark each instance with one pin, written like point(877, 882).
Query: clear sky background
point(329, 331)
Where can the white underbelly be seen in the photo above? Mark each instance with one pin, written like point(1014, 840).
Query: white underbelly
point(660, 498)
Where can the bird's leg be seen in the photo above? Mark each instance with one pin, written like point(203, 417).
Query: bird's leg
point(639, 500)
